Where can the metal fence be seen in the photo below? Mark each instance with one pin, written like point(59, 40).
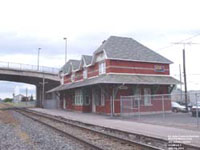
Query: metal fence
point(156, 108)
point(27, 67)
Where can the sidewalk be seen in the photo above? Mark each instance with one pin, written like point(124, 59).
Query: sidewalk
point(129, 126)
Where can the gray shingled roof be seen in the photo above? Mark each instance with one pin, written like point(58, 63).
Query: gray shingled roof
point(75, 64)
point(67, 67)
point(128, 49)
point(121, 79)
point(88, 59)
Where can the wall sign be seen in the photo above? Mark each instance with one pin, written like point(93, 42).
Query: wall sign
point(159, 68)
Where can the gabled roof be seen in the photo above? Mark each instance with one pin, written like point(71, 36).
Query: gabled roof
point(121, 79)
point(19, 95)
point(123, 48)
point(75, 64)
point(88, 59)
point(71, 64)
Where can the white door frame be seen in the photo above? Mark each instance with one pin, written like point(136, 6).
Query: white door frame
point(93, 102)
point(64, 103)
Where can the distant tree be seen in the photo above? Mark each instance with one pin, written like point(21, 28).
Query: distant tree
point(8, 100)
point(31, 98)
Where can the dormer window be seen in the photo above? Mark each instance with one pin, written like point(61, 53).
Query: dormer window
point(85, 73)
point(100, 57)
point(73, 77)
point(102, 68)
point(62, 77)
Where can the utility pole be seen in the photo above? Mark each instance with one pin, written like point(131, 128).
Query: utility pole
point(185, 80)
point(184, 70)
point(43, 90)
point(181, 81)
point(26, 95)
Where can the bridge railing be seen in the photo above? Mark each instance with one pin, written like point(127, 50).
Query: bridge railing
point(27, 67)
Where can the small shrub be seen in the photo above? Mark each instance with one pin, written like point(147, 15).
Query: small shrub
point(8, 100)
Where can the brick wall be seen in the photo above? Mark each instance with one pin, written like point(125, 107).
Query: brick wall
point(117, 66)
point(93, 70)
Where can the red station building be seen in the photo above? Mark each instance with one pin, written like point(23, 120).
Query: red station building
point(121, 66)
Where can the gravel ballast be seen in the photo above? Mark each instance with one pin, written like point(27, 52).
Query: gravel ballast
point(26, 134)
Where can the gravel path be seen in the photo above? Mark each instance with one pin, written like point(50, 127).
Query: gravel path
point(27, 134)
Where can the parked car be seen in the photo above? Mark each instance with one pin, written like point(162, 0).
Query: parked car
point(176, 107)
point(195, 109)
point(189, 105)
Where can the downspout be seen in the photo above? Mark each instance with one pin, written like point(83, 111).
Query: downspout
point(114, 94)
point(112, 103)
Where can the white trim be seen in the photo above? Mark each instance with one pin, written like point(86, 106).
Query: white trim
point(161, 75)
point(137, 68)
point(79, 68)
point(93, 77)
point(93, 57)
point(106, 57)
point(84, 62)
point(75, 70)
point(140, 61)
point(67, 74)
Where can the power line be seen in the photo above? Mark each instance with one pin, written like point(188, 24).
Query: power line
point(171, 45)
point(184, 69)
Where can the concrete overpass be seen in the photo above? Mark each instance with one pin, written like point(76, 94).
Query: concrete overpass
point(44, 78)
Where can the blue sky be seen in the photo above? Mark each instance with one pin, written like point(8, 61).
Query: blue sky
point(27, 25)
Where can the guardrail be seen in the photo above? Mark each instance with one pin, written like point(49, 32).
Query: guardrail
point(27, 67)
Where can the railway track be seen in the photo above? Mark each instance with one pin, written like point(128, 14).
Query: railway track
point(92, 137)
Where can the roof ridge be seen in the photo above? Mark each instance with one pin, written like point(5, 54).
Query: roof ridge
point(87, 55)
point(126, 48)
point(73, 60)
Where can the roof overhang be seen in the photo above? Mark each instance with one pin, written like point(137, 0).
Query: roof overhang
point(121, 79)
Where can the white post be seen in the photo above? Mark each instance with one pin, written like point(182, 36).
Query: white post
point(113, 102)
point(163, 106)
point(121, 111)
point(132, 99)
point(197, 110)
point(111, 109)
point(139, 99)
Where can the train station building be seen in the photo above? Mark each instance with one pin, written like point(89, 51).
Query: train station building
point(119, 67)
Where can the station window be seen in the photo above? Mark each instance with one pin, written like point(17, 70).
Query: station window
point(147, 96)
point(87, 100)
point(85, 73)
point(102, 68)
point(102, 98)
point(78, 97)
point(73, 77)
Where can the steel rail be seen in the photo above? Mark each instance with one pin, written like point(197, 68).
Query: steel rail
point(92, 146)
point(138, 135)
point(138, 144)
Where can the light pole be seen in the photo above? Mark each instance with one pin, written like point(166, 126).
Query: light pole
point(38, 59)
point(65, 48)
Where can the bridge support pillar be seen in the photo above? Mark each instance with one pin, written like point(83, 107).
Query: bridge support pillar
point(38, 96)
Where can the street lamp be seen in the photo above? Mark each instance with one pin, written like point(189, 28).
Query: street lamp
point(38, 59)
point(65, 48)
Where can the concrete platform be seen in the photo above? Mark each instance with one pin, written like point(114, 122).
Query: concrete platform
point(158, 131)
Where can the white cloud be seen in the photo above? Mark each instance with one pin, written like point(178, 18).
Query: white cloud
point(27, 25)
